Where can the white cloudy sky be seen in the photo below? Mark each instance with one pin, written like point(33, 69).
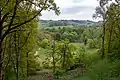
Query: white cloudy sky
point(73, 9)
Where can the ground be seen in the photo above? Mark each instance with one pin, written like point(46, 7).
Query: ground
point(47, 75)
point(42, 75)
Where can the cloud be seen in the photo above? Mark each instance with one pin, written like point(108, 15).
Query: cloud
point(72, 9)
point(76, 1)
point(76, 9)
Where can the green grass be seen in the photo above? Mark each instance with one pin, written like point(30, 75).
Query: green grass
point(62, 26)
point(43, 25)
point(91, 51)
point(87, 51)
point(82, 78)
point(78, 44)
point(56, 27)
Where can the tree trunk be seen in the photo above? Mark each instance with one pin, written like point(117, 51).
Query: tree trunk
point(103, 41)
point(64, 56)
point(17, 55)
point(0, 47)
point(53, 56)
point(27, 65)
point(110, 37)
point(0, 57)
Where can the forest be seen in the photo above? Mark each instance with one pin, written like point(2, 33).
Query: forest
point(35, 49)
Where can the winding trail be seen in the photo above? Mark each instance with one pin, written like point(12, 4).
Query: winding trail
point(42, 75)
point(47, 74)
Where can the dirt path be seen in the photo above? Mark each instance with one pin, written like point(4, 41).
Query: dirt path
point(42, 75)
point(48, 75)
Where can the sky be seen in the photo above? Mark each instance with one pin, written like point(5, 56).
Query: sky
point(72, 9)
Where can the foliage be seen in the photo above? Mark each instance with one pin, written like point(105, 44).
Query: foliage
point(18, 36)
point(20, 54)
point(108, 70)
point(112, 32)
point(77, 34)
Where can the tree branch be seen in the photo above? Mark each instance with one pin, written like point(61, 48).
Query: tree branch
point(3, 18)
point(16, 31)
point(8, 25)
point(7, 32)
point(26, 40)
point(14, 13)
point(6, 4)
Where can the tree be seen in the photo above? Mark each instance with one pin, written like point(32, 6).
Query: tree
point(17, 57)
point(11, 17)
point(113, 31)
point(101, 12)
point(109, 19)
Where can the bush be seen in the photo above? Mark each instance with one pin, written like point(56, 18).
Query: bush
point(93, 43)
point(104, 70)
point(45, 43)
point(59, 72)
point(91, 59)
point(116, 69)
point(46, 64)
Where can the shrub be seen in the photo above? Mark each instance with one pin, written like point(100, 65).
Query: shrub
point(104, 70)
point(59, 72)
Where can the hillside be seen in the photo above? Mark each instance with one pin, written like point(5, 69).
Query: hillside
point(51, 23)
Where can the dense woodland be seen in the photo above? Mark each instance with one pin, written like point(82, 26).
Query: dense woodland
point(58, 50)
